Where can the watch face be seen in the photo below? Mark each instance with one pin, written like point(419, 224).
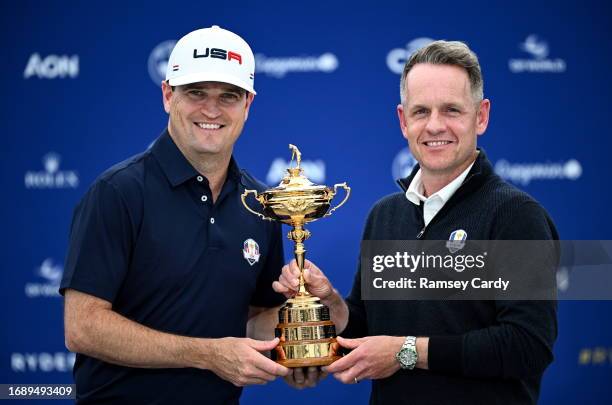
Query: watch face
point(407, 357)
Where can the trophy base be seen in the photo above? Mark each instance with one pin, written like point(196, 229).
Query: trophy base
point(295, 363)
point(307, 335)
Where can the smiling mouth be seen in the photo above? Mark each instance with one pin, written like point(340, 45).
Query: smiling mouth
point(437, 143)
point(209, 126)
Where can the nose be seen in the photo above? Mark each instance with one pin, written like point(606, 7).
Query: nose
point(435, 124)
point(210, 108)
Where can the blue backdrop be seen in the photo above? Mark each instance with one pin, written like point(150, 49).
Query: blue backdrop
point(81, 86)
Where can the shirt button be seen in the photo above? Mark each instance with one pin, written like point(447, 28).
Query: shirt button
point(204, 198)
point(200, 179)
point(212, 220)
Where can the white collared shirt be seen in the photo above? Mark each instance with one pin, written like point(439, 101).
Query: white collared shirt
point(434, 203)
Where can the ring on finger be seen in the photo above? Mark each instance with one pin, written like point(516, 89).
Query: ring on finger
point(356, 380)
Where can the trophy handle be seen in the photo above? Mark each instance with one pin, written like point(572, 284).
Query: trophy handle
point(347, 189)
point(244, 195)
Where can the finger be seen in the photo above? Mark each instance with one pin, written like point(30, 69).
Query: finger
point(312, 268)
point(309, 278)
point(289, 281)
point(252, 381)
point(298, 375)
point(350, 343)
point(312, 376)
point(349, 376)
point(288, 272)
point(280, 288)
point(270, 367)
point(342, 364)
point(291, 382)
point(263, 345)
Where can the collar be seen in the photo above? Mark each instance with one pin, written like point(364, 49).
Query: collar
point(176, 167)
point(480, 170)
point(415, 190)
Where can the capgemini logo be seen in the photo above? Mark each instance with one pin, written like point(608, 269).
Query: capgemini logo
point(158, 61)
point(51, 177)
point(525, 173)
point(396, 58)
point(278, 67)
point(402, 165)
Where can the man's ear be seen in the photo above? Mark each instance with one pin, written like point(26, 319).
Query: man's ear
point(167, 95)
point(402, 120)
point(249, 100)
point(482, 116)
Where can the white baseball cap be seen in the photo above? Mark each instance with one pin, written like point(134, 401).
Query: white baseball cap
point(212, 55)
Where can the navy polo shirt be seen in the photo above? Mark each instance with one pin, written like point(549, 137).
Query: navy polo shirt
point(148, 238)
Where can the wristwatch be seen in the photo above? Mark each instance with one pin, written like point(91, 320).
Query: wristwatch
point(407, 356)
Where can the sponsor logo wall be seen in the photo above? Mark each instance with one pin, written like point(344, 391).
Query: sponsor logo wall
point(52, 67)
point(82, 95)
point(51, 177)
point(539, 61)
point(278, 67)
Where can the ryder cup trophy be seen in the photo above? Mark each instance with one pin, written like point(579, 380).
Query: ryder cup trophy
point(307, 335)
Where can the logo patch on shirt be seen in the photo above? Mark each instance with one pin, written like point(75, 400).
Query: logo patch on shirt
point(250, 251)
point(456, 241)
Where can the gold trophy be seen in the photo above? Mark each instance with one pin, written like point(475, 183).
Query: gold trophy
point(307, 335)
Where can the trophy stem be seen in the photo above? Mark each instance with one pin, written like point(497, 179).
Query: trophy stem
point(298, 235)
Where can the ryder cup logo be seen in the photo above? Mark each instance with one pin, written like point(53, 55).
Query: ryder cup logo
point(278, 67)
point(539, 62)
point(158, 61)
point(250, 251)
point(314, 169)
point(396, 58)
point(52, 274)
point(52, 177)
point(403, 164)
point(456, 241)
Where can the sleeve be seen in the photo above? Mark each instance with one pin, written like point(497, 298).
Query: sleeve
point(357, 320)
point(100, 243)
point(520, 342)
point(357, 325)
point(264, 295)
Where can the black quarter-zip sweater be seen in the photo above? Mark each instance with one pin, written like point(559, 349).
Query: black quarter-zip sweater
point(480, 352)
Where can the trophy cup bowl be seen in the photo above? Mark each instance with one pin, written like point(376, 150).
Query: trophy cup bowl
point(307, 334)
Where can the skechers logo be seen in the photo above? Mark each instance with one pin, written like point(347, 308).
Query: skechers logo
point(218, 54)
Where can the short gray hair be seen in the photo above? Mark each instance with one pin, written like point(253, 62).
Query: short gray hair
point(454, 53)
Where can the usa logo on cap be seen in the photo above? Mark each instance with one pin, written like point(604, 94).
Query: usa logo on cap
point(250, 251)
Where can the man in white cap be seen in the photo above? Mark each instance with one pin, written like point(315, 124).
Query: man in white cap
point(166, 272)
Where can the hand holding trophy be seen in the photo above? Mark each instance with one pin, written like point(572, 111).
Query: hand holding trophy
point(307, 335)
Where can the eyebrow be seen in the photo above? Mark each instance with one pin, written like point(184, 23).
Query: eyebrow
point(418, 106)
point(446, 104)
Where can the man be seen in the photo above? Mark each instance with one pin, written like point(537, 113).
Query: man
point(165, 266)
point(444, 351)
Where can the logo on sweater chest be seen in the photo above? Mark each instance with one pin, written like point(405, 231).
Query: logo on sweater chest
point(456, 240)
point(250, 251)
